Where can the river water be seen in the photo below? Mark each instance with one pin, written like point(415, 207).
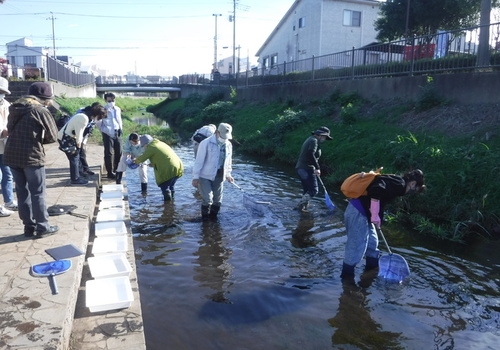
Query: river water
point(270, 279)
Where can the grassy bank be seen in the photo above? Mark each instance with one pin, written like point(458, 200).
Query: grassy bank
point(130, 108)
point(463, 198)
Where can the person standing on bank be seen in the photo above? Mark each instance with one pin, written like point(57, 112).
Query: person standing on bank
point(131, 150)
point(167, 165)
point(111, 129)
point(307, 166)
point(5, 173)
point(75, 128)
point(30, 126)
point(364, 213)
point(213, 165)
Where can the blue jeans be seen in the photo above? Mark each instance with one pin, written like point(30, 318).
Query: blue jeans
point(30, 190)
point(168, 186)
point(211, 191)
point(6, 181)
point(362, 237)
point(309, 181)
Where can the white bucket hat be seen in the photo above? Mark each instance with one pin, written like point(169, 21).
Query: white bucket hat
point(4, 86)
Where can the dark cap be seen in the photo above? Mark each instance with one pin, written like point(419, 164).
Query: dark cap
point(41, 90)
point(323, 131)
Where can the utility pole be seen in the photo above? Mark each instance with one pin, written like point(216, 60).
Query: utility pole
point(234, 35)
point(53, 33)
point(215, 42)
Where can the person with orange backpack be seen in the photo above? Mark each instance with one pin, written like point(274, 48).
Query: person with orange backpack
point(365, 212)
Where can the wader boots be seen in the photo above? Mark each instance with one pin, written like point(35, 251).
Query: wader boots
point(371, 263)
point(167, 196)
point(144, 187)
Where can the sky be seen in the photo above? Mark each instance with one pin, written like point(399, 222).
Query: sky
point(147, 37)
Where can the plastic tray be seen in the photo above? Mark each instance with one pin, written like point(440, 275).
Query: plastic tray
point(111, 196)
point(110, 228)
point(112, 265)
point(112, 188)
point(111, 204)
point(108, 294)
point(109, 245)
point(110, 215)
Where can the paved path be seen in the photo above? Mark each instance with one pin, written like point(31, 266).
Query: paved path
point(30, 316)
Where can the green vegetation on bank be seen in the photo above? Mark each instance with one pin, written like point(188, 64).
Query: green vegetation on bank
point(463, 198)
point(131, 107)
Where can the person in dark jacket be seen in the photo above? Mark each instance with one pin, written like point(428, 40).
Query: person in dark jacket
point(364, 213)
point(307, 166)
point(30, 126)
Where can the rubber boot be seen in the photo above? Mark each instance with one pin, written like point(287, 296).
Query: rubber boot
point(371, 263)
point(304, 203)
point(167, 196)
point(205, 212)
point(119, 176)
point(347, 271)
point(172, 193)
point(214, 210)
point(144, 187)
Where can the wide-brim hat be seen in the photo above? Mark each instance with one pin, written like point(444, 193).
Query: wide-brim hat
point(323, 131)
point(4, 86)
point(225, 131)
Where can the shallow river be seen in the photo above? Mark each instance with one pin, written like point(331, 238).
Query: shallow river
point(270, 280)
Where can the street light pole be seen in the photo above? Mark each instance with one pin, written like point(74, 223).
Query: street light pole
point(407, 18)
point(234, 35)
point(215, 42)
point(53, 33)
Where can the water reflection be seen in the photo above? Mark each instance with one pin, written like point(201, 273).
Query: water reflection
point(277, 276)
point(212, 267)
point(353, 322)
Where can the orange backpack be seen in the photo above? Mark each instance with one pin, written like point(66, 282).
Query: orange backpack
point(355, 185)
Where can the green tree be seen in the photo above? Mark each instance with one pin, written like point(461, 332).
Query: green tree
point(423, 17)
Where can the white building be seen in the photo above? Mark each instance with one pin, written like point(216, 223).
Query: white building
point(22, 55)
point(319, 27)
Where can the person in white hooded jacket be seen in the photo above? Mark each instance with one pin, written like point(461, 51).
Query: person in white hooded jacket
point(111, 129)
point(213, 165)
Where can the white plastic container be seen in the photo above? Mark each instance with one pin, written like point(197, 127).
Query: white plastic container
point(108, 294)
point(110, 245)
point(112, 265)
point(111, 196)
point(110, 228)
point(110, 215)
point(111, 204)
point(112, 188)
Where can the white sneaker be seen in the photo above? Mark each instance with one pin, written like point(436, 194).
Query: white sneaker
point(5, 212)
point(11, 205)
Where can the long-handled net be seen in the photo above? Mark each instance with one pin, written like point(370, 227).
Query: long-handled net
point(253, 205)
point(392, 267)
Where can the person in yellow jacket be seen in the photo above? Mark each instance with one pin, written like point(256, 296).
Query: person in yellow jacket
point(167, 165)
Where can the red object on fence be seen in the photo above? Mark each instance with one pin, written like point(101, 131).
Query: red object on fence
point(419, 51)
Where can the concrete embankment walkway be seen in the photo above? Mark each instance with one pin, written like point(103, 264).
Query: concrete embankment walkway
point(31, 317)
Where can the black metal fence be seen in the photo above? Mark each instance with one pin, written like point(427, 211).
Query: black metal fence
point(60, 72)
point(446, 51)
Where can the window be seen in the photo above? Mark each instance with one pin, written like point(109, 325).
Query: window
point(265, 63)
point(29, 61)
point(352, 18)
point(302, 22)
point(274, 60)
point(12, 60)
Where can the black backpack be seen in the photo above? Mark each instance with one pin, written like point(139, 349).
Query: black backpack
point(62, 120)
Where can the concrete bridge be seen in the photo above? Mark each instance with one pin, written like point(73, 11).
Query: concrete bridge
point(173, 89)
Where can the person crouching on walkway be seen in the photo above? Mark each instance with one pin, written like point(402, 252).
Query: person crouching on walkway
point(213, 165)
point(307, 166)
point(131, 150)
point(75, 127)
point(365, 213)
point(167, 165)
